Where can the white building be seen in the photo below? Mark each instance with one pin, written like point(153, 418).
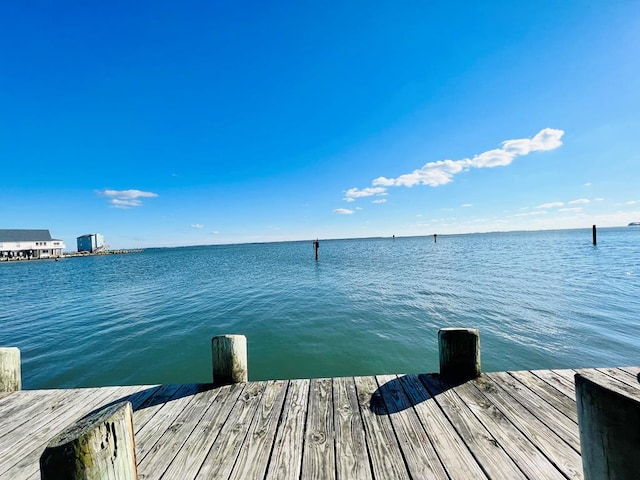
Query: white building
point(29, 244)
point(91, 242)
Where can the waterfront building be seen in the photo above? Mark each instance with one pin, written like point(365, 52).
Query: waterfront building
point(91, 242)
point(29, 244)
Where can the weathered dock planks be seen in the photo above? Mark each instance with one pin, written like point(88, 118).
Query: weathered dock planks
point(500, 425)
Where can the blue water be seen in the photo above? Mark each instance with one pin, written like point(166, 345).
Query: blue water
point(540, 299)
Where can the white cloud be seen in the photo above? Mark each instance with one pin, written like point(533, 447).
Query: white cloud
point(379, 200)
point(588, 184)
point(125, 198)
point(441, 172)
point(197, 225)
point(579, 201)
point(215, 232)
point(551, 205)
point(343, 211)
point(598, 199)
point(354, 193)
point(632, 202)
point(467, 205)
point(574, 209)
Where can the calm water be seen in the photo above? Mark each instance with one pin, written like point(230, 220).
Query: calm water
point(540, 299)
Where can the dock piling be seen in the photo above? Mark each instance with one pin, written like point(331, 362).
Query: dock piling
point(229, 355)
point(595, 236)
point(459, 353)
point(100, 445)
point(10, 374)
point(609, 425)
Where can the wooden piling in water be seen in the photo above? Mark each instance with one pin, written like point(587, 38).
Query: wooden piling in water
point(100, 445)
point(10, 374)
point(316, 246)
point(459, 353)
point(609, 425)
point(229, 357)
point(595, 235)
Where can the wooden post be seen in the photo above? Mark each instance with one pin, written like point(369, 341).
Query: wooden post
point(609, 424)
point(595, 236)
point(459, 353)
point(435, 238)
point(229, 353)
point(316, 246)
point(10, 375)
point(100, 445)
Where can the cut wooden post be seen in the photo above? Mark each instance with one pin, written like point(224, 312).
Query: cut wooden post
point(459, 353)
point(595, 236)
point(609, 424)
point(229, 353)
point(10, 376)
point(100, 445)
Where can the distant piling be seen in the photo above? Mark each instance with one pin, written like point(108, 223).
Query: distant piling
point(316, 247)
point(459, 350)
point(435, 238)
point(595, 236)
point(229, 358)
point(10, 375)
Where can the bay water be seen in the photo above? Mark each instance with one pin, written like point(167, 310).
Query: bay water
point(547, 299)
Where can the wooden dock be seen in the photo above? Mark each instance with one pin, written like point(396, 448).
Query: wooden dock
point(502, 425)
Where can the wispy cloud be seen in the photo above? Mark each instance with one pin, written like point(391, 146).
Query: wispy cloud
point(632, 202)
point(125, 198)
point(573, 209)
point(343, 211)
point(467, 205)
point(588, 184)
point(441, 172)
point(551, 205)
point(379, 200)
point(197, 225)
point(579, 201)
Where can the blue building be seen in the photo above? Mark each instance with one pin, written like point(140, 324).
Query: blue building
point(91, 242)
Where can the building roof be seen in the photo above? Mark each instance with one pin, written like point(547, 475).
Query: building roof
point(24, 235)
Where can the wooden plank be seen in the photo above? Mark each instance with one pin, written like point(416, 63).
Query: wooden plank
point(171, 414)
point(564, 427)
point(385, 454)
point(152, 405)
point(622, 376)
point(611, 383)
point(521, 450)
point(454, 454)
point(286, 458)
point(256, 450)
point(484, 446)
point(635, 371)
point(23, 407)
point(222, 456)
point(549, 394)
point(558, 382)
point(420, 457)
point(187, 462)
point(318, 454)
point(174, 428)
point(352, 461)
point(545, 438)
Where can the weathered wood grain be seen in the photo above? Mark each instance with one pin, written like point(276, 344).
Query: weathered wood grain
point(482, 443)
point(223, 453)
point(352, 461)
point(419, 455)
point(454, 454)
point(556, 449)
point(189, 459)
point(559, 382)
point(382, 444)
point(286, 458)
point(255, 451)
point(549, 394)
point(318, 455)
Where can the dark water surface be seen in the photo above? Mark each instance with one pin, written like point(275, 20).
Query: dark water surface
point(540, 299)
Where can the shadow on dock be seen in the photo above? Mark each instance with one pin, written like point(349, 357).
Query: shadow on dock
point(408, 391)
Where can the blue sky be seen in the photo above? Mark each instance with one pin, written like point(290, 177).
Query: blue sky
point(187, 123)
